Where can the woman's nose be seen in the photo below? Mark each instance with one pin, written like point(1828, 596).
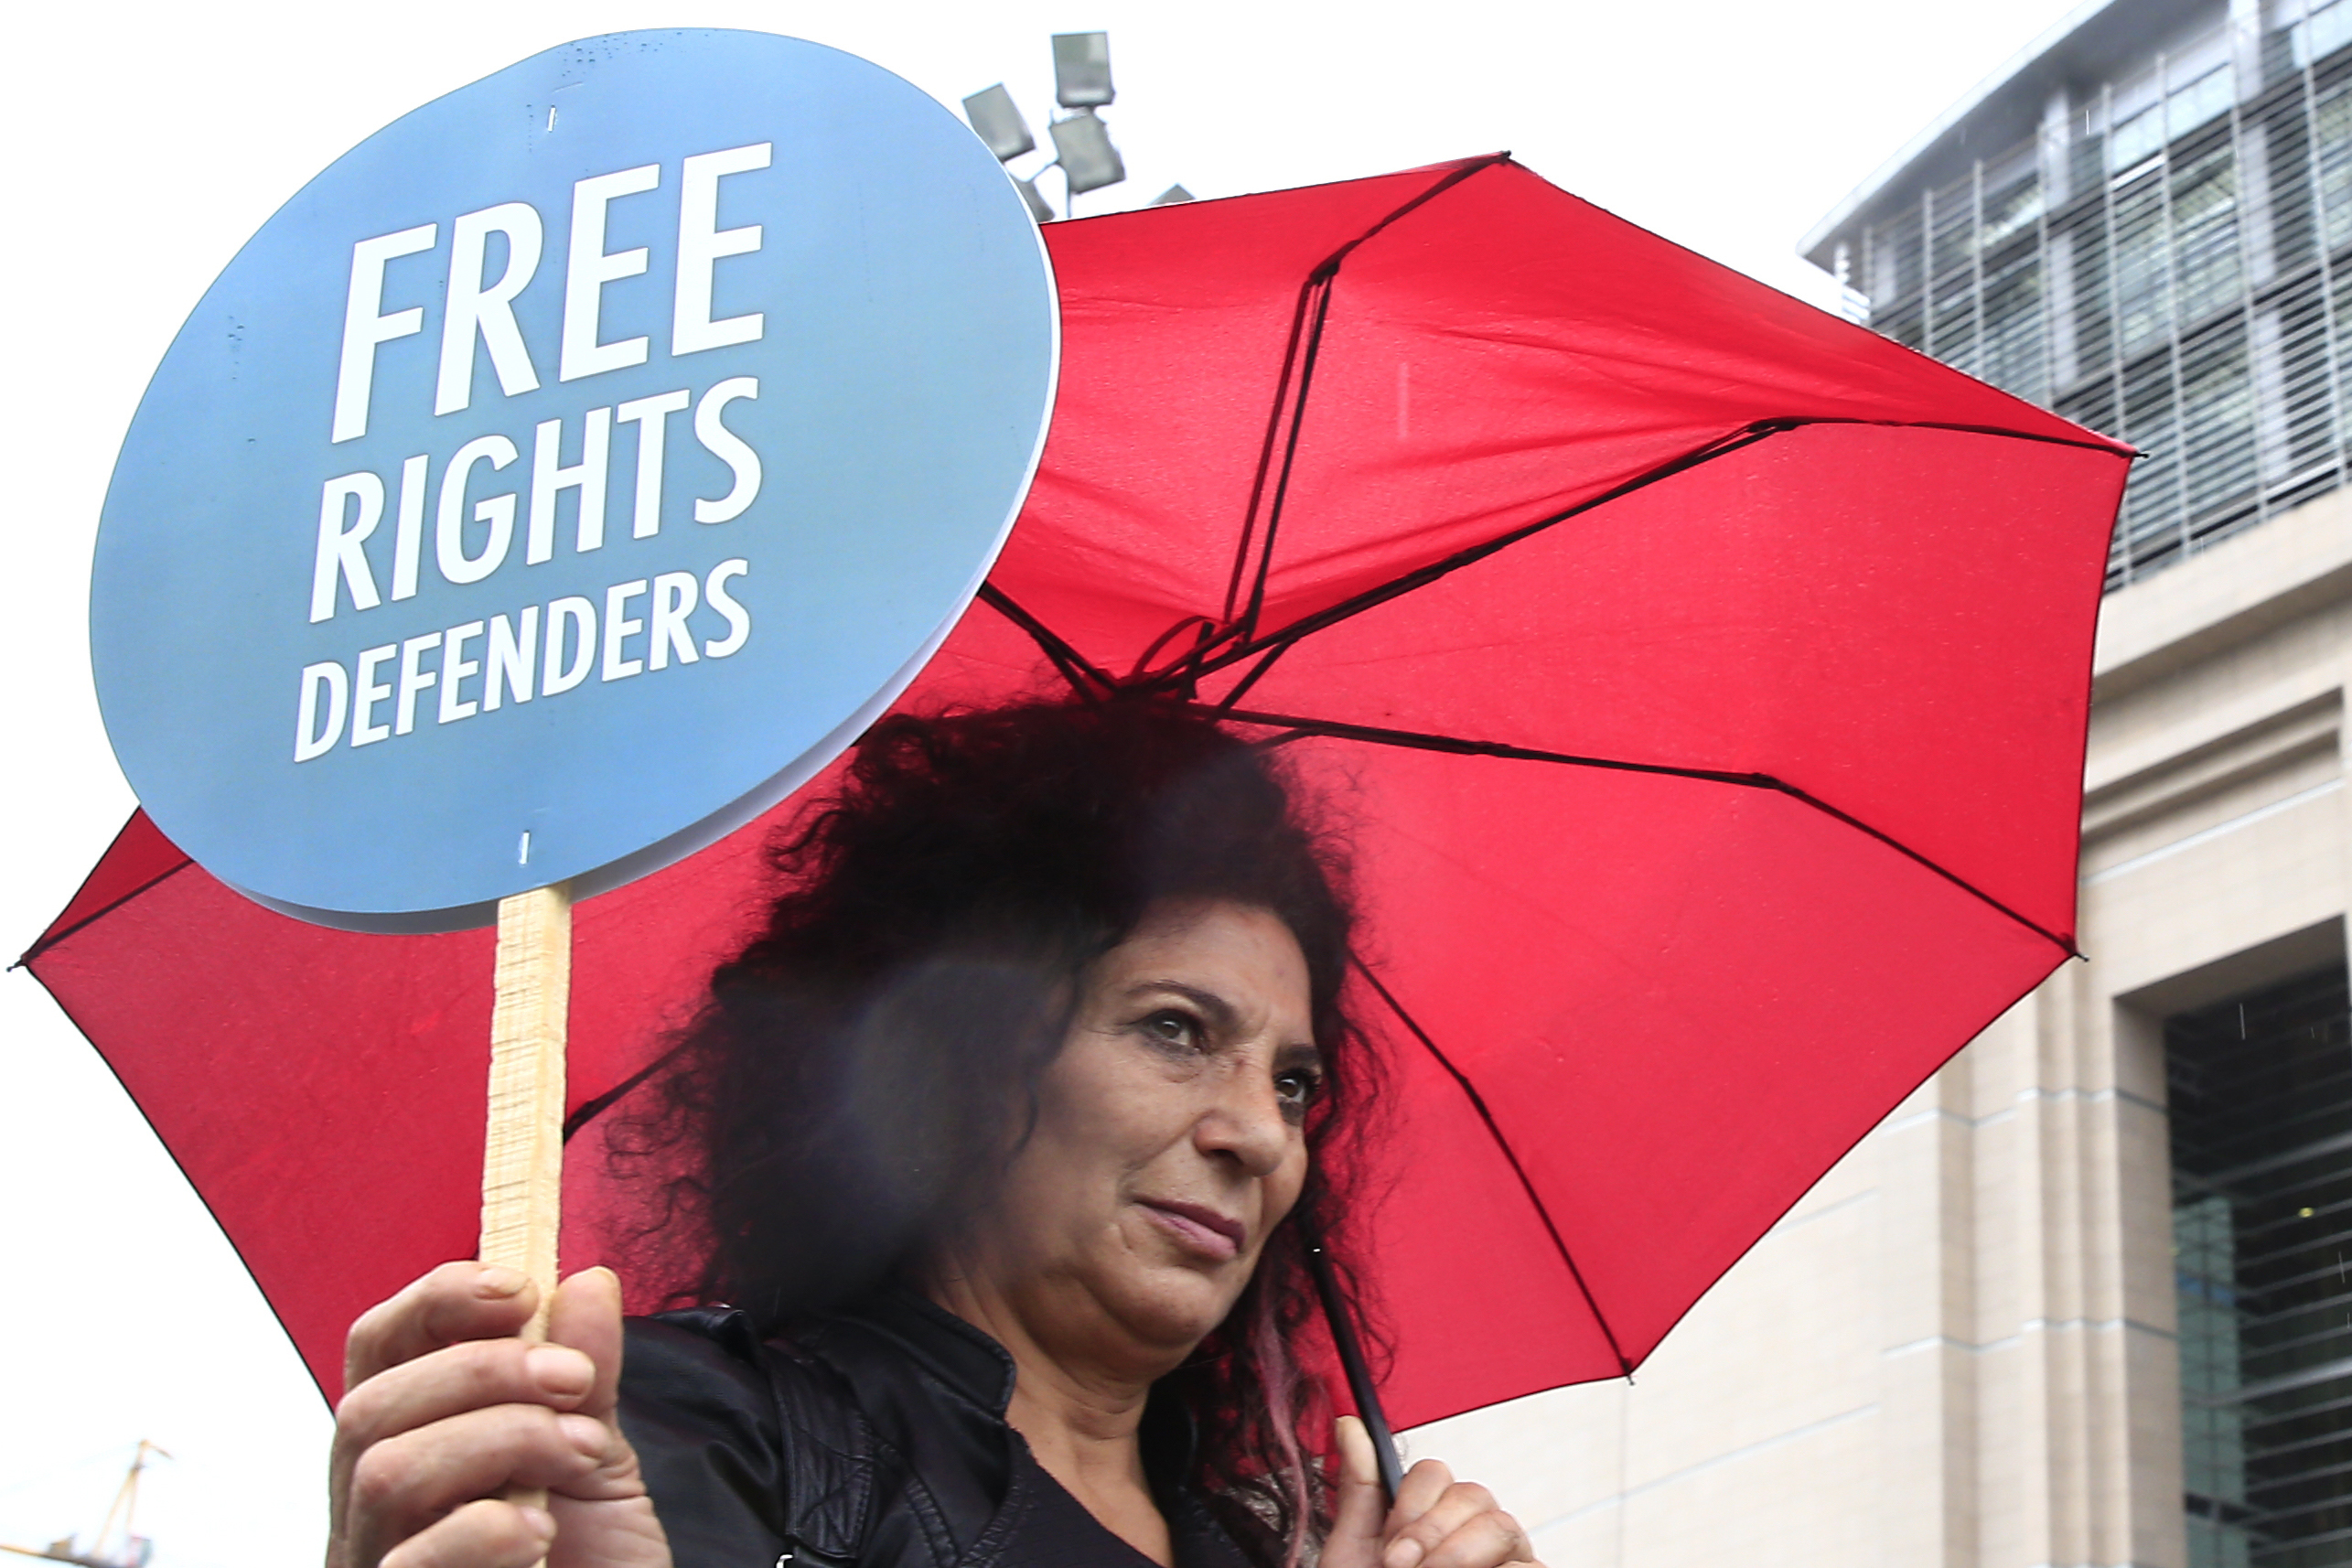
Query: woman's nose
point(1246, 1125)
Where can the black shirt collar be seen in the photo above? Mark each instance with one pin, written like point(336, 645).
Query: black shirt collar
point(971, 1363)
point(966, 1359)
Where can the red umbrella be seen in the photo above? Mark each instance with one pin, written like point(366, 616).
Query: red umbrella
point(1707, 677)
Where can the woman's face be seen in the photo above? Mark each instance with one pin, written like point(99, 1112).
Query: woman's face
point(1168, 1142)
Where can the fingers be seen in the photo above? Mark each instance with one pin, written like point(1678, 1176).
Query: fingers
point(455, 1302)
point(447, 1410)
point(402, 1486)
point(1356, 1517)
point(1423, 1485)
point(460, 1378)
point(1457, 1525)
point(586, 1317)
point(1484, 1541)
point(419, 1393)
point(1436, 1521)
point(1359, 1463)
point(483, 1534)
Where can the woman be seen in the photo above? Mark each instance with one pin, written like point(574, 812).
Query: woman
point(1000, 1138)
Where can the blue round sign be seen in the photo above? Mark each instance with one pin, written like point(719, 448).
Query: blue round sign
point(567, 473)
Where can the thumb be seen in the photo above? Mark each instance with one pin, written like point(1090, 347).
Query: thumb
point(586, 1317)
point(1355, 1539)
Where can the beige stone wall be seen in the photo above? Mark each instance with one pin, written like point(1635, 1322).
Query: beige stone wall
point(1958, 1349)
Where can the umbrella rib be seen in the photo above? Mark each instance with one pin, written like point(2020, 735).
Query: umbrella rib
point(1421, 577)
point(1226, 704)
point(1321, 286)
point(1510, 1156)
point(47, 942)
point(592, 1109)
point(1330, 263)
point(1266, 450)
point(1084, 678)
point(1457, 746)
point(1315, 292)
point(1746, 436)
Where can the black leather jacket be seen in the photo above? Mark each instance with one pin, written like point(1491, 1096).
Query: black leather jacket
point(876, 1440)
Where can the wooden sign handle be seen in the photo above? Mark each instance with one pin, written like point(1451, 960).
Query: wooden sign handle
point(522, 1155)
point(522, 1159)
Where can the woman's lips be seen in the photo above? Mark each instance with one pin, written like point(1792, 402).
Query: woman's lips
point(1204, 1230)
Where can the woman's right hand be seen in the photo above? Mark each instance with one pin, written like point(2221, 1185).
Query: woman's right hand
point(1436, 1522)
point(447, 1410)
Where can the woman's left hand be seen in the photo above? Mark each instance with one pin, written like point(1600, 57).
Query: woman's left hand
point(1437, 1523)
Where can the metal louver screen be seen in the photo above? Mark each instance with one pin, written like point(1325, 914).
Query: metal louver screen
point(2171, 263)
point(2261, 1140)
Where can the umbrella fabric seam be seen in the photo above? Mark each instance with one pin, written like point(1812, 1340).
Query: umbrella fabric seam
point(1510, 1156)
point(1421, 576)
point(47, 942)
point(1851, 1147)
point(1504, 751)
point(1315, 291)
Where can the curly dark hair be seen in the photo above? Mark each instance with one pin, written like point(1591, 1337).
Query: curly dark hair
point(847, 1093)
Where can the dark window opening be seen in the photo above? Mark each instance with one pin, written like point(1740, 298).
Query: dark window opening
point(2260, 1088)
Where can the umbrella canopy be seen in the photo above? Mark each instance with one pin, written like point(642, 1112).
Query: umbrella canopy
point(1705, 680)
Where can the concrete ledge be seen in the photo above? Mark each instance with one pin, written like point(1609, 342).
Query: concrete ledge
point(2230, 593)
point(2246, 970)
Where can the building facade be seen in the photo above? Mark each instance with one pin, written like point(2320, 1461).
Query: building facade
point(2086, 1298)
point(2144, 226)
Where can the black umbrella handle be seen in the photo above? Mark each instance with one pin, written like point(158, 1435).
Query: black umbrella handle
point(1352, 1361)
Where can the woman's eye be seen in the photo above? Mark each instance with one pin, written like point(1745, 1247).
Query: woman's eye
point(1172, 1028)
point(1297, 1088)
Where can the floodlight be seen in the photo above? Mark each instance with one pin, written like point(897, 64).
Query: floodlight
point(992, 113)
point(1082, 69)
point(1174, 194)
point(1082, 144)
point(1038, 210)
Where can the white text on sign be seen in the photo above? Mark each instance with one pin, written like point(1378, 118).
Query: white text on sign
point(476, 309)
point(453, 510)
point(535, 651)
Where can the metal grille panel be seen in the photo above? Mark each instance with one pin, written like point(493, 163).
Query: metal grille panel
point(2261, 1137)
point(2170, 260)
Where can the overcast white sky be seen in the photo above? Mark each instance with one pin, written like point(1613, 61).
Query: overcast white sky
point(149, 140)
